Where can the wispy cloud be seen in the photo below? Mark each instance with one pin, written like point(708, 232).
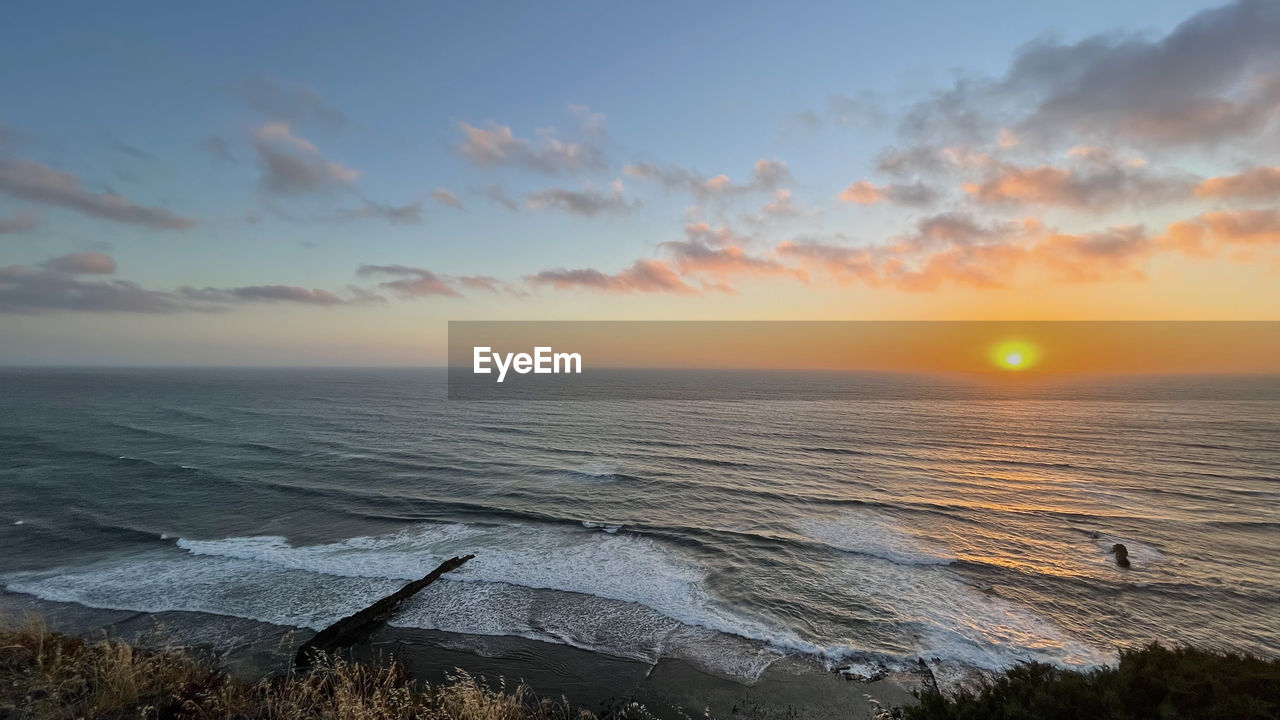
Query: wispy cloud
point(18, 222)
point(408, 214)
point(587, 203)
point(864, 192)
point(291, 165)
point(411, 282)
point(497, 145)
point(643, 276)
point(767, 175)
point(446, 197)
point(85, 263)
point(290, 102)
point(29, 180)
point(1260, 183)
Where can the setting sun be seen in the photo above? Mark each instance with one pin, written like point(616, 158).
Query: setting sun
point(1014, 355)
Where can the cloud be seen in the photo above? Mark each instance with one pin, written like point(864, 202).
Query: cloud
point(644, 276)
point(1260, 183)
point(29, 180)
point(589, 121)
point(721, 264)
point(497, 145)
point(864, 192)
point(412, 282)
point(479, 282)
point(840, 260)
point(132, 151)
point(587, 203)
point(1204, 235)
point(410, 214)
point(218, 148)
point(85, 263)
point(293, 103)
point(1214, 78)
point(781, 205)
point(958, 228)
point(1115, 253)
point(268, 293)
point(445, 197)
point(498, 195)
point(291, 165)
point(18, 222)
point(767, 175)
point(1101, 182)
point(25, 290)
point(58, 286)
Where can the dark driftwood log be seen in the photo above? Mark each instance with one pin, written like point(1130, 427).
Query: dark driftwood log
point(354, 628)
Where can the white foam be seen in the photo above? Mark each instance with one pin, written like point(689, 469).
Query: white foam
point(947, 618)
point(877, 534)
point(616, 593)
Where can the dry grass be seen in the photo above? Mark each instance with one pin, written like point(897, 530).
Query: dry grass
point(48, 676)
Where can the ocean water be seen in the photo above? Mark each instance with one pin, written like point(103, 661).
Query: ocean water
point(971, 526)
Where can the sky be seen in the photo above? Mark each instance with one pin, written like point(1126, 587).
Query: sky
point(329, 184)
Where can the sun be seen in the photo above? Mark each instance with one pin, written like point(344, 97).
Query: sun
point(1014, 355)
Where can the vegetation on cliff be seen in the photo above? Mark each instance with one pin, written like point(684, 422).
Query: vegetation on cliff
point(1151, 682)
point(48, 676)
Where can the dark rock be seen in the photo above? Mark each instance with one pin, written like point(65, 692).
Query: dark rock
point(1122, 554)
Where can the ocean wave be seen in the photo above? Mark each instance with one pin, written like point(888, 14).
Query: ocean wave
point(878, 535)
point(618, 594)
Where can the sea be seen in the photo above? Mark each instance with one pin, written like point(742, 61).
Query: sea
point(844, 524)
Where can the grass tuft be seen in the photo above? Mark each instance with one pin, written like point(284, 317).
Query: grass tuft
point(49, 676)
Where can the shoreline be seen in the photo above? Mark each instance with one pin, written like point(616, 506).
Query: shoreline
point(668, 688)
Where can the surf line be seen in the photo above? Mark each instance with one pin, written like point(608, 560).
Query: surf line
point(543, 361)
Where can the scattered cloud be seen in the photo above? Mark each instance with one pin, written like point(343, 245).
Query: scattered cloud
point(29, 180)
point(767, 175)
point(715, 258)
point(590, 122)
point(85, 263)
point(587, 203)
point(643, 276)
point(293, 103)
point(25, 291)
point(1210, 232)
point(864, 192)
point(1098, 183)
point(1260, 183)
point(60, 285)
point(1213, 78)
point(445, 197)
point(18, 222)
point(291, 165)
point(269, 294)
point(410, 214)
point(497, 145)
point(411, 282)
point(781, 205)
point(498, 195)
point(218, 148)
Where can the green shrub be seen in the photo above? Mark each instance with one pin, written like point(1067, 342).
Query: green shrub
point(1152, 682)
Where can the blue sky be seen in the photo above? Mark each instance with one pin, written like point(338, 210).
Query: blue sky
point(265, 154)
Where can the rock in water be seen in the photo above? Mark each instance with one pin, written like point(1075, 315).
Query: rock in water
point(1122, 554)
